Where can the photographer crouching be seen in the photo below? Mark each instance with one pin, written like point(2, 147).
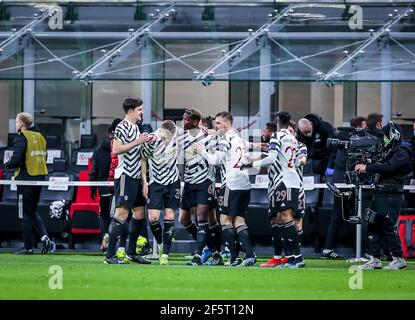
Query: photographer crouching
point(385, 206)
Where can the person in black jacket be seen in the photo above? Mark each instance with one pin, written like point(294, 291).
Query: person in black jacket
point(313, 131)
point(29, 160)
point(386, 203)
point(336, 219)
point(101, 161)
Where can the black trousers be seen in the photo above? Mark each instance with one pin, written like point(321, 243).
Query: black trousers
point(336, 219)
point(104, 216)
point(383, 232)
point(27, 201)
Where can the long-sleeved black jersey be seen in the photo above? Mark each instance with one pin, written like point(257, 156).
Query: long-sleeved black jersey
point(395, 167)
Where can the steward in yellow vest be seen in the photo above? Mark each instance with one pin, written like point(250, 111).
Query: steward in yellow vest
point(29, 155)
point(29, 160)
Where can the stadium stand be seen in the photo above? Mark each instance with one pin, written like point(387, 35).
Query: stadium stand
point(54, 150)
point(257, 218)
point(7, 152)
point(79, 157)
point(9, 217)
point(50, 194)
point(84, 212)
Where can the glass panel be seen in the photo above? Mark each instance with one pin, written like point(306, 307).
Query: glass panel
point(63, 109)
point(308, 41)
point(11, 102)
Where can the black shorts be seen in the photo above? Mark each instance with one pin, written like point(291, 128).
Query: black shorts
point(216, 192)
point(299, 212)
point(194, 194)
point(282, 199)
point(128, 192)
point(233, 202)
point(160, 196)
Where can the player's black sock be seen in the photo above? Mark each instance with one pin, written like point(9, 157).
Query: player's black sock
point(192, 229)
point(168, 235)
point(157, 231)
point(135, 229)
point(246, 244)
point(291, 244)
point(114, 232)
point(202, 236)
point(300, 236)
point(214, 232)
point(229, 238)
point(144, 230)
point(276, 229)
point(124, 235)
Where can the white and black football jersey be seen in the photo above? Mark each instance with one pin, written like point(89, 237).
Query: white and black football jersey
point(129, 163)
point(283, 146)
point(234, 150)
point(162, 158)
point(196, 167)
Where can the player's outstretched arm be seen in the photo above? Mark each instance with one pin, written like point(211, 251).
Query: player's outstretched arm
point(119, 148)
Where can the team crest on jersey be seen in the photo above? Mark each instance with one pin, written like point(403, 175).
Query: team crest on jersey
point(170, 151)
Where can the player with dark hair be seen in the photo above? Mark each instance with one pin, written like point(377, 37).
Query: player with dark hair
point(127, 185)
point(270, 128)
point(283, 191)
point(198, 188)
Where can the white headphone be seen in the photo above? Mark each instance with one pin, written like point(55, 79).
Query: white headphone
point(394, 134)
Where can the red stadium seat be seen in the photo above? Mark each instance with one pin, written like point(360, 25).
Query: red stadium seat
point(406, 232)
point(84, 212)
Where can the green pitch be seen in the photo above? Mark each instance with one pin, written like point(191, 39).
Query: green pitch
point(86, 277)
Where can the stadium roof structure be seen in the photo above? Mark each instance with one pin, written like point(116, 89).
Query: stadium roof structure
point(208, 41)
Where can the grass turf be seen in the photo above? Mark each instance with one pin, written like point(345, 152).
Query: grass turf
point(86, 277)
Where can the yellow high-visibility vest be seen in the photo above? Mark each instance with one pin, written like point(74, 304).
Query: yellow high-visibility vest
point(35, 154)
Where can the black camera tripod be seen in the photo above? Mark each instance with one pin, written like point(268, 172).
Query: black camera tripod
point(358, 186)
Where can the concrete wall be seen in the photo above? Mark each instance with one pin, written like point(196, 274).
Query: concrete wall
point(107, 98)
point(368, 98)
point(295, 97)
point(322, 101)
point(403, 99)
point(209, 100)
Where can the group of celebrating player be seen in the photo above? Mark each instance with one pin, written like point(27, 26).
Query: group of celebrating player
point(199, 151)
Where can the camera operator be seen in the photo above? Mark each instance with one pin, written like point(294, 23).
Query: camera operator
point(336, 220)
point(374, 123)
point(385, 207)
